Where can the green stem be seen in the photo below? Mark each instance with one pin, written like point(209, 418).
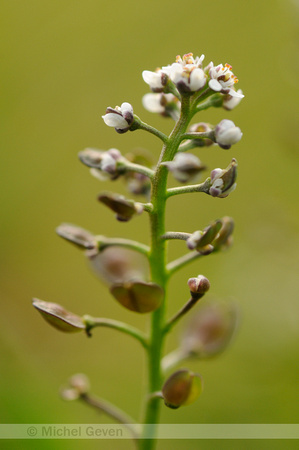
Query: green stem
point(93, 322)
point(176, 235)
point(203, 187)
point(175, 265)
point(139, 125)
point(199, 135)
point(112, 411)
point(132, 167)
point(173, 358)
point(190, 303)
point(159, 274)
point(104, 242)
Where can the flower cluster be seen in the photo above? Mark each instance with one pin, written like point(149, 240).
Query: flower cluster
point(187, 74)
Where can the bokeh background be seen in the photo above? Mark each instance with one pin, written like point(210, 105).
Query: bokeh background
point(64, 62)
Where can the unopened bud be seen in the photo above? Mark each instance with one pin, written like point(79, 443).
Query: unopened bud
point(182, 388)
point(103, 164)
point(223, 181)
point(78, 385)
point(201, 240)
point(198, 286)
point(80, 382)
point(124, 209)
point(138, 296)
point(227, 134)
point(121, 117)
point(58, 317)
point(185, 167)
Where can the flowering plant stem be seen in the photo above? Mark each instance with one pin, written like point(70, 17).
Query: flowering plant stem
point(189, 88)
point(159, 274)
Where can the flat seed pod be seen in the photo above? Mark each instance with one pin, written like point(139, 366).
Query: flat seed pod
point(138, 296)
point(58, 317)
point(76, 235)
point(182, 388)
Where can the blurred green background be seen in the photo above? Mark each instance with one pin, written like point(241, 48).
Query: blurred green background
point(64, 62)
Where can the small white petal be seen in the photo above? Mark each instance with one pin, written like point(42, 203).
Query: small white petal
point(215, 85)
point(230, 102)
point(153, 79)
point(126, 107)
point(237, 94)
point(176, 72)
point(115, 121)
point(197, 79)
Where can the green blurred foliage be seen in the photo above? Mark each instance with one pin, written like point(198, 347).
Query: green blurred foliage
point(64, 62)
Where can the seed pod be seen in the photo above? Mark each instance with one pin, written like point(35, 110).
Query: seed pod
point(76, 235)
point(58, 317)
point(182, 388)
point(211, 330)
point(124, 209)
point(138, 296)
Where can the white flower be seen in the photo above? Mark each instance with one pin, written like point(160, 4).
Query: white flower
point(120, 118)
point(230, 102)
point(187, 74)
point(222, 79)
point(227, 134)
point(223, 181)
point(156, 80)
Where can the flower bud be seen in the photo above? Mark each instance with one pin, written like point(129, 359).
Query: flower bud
point(200, 240)
point(211, 330)
point(224, 238)
point(78, 385)
point(227, 134)
point(78, 236)
point(120, 117)
point(198, 286)
point(58, 317)
point(185, 167)
point(103, 164)
point(138, 296)
point(223, 182)
point(182, 388)
point(124, 209)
